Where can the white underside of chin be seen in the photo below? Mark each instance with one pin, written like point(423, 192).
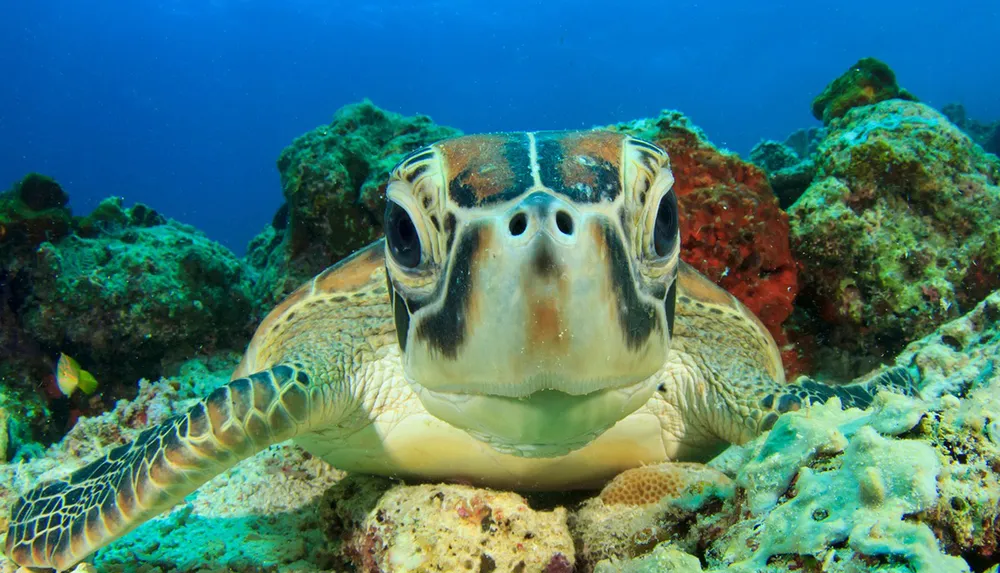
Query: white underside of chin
point(545, 423)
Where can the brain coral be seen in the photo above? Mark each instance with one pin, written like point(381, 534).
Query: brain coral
point(650, 484)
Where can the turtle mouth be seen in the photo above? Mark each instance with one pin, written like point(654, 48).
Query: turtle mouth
point(547, 423)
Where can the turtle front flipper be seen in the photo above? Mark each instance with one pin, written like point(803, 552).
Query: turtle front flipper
point(859, 394)
point(59, 523)
point(725, 369)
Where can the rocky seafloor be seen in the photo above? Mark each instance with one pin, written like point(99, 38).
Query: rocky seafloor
point(868, 247)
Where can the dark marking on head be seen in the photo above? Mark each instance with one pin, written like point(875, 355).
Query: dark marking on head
point(636, 318)
point(401, 316)
point(412, 176)
point(580, 166)
point(623, 219)
point(657, 290)
point(768, 422)
point(449, 229)
point(486, 169)
point(684, 299)
point(767, 402)
point(645, 144)
point(670, 305)
point(445, 330)
point(544, 263)
point(388, 286)
point(436, 223)
point(415, 156)
point(715, 310)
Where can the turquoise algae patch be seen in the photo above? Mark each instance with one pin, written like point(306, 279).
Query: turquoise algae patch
point(826, 485)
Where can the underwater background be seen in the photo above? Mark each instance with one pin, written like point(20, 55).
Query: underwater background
point(171, 171)
point(190, 102)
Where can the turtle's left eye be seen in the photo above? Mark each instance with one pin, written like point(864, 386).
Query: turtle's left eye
point(665, 229)
point(401, 234)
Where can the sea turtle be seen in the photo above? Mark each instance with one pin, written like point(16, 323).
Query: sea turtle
point(526, 323)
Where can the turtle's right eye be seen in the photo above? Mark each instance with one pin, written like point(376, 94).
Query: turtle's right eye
point(401, 234)
point(665, 227)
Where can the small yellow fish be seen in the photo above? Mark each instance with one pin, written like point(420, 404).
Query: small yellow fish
point(69, 377)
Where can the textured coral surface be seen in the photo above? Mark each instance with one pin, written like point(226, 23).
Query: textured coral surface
point(440, 527)
point(897, 232)
point(333, 179)
point(124, 291)
point(650, 484)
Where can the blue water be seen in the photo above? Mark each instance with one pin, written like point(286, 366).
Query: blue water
point(185, 105)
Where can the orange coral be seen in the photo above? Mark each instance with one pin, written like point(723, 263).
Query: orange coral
point(650, 484)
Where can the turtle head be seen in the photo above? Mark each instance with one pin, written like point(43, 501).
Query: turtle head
point(532, 280)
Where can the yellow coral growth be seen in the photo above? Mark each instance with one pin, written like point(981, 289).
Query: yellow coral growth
point(650, 484)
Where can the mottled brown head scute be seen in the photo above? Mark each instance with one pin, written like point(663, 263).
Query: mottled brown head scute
point(486, 169)
point(506, 253)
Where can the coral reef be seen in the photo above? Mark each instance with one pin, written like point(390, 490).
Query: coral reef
point(163, 291)
point(896, 233)
point(33, 211)
point(650, 484)
point(333, 180)
point(987, 135)
point(732, 228)
point(909, 485)
point(234, 526)
point(788, 173)
point(447, 528)
point(676, 502)
point(867, 82)
point(5, 419)
point(664, 558)
point(122, 290)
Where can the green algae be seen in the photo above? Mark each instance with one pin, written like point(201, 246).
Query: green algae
point(333, 179)
point(867, 82)
point(896, 230)
point(32, 212)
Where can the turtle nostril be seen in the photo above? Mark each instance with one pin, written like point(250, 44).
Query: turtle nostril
point(518, 224)
point(564, 223)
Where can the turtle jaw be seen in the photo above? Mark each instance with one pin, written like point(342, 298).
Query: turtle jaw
point(545, 424)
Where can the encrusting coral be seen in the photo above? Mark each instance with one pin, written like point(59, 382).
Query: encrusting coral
point(333, 179)
point(908, 485)
point(896, 234)
point(124, 291)
point(442, 527)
